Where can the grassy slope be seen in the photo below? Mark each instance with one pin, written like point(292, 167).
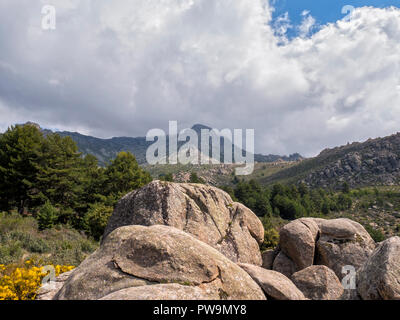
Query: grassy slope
point(375, 207)
point(261, 171)
point(20, 240)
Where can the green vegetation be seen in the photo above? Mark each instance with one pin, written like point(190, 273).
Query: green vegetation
point(21, 240)
point(272, 226)
point(288, 202)
point(377, 235)
point(166, 177)
point(47, 216)
point(56, 202)
point(376, 208)
point(194, 178)
point(279, 204)
point(46, 178)
point(96, 219)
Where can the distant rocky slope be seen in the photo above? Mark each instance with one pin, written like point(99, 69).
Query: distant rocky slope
point(107, 149)
point(171, 241)
point(374, 162)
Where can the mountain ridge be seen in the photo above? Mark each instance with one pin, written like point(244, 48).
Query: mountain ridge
point(107, 149)
point(372, 162)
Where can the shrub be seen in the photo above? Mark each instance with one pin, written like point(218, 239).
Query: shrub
point(167, 177)
point(289, 209)
point(47, 216)
point(344, 202)
point(271, 239)
point(271, 234)
point(194, 178)
point(23, 282)
point(10, 251)
point(376, 234)
point(96, 219)
point(20, 238)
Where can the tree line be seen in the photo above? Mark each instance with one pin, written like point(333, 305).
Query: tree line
point(44, 175)
point(289, 201)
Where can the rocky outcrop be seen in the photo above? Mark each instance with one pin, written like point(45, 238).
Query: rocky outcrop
point(170, 241)
point(313, 241)
point(379, 277)
point(318, 283)
point(171, 291)
point(49, 290)
point(275, 285)
point(343, 242)
point(297, 241)
point(372, 162)
point(157, 259)
point(283, 264)
point(206, 212)
point(268, 258)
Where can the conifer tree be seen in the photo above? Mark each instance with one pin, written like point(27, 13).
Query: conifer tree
point(124, 175)
point(20, 151)
point(59, 173)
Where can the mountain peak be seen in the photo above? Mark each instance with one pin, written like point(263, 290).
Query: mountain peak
point(199, 127)
point(30, 123)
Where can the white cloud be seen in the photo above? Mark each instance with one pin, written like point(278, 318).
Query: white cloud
point(281, 25)
point(120, 68)
point(307, 24)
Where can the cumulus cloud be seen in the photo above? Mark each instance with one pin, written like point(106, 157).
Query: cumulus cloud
point(122, 67)
point(307, 24)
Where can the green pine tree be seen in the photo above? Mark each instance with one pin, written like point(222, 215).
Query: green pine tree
point(20, 151)
point(59, 175)
point(123, 175)
point(47, 216)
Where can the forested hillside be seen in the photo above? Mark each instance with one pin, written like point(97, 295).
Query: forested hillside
point(46, 177)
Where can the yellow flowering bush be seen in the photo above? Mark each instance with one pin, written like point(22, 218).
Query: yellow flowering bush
point(23, 282)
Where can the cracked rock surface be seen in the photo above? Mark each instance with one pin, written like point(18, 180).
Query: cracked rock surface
point(207, 213)
point(138, 262)
point(318, 283)
point(379, 277)
point(313, 241)
point(275, 285)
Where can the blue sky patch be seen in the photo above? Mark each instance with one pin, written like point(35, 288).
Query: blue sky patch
point(322, 11)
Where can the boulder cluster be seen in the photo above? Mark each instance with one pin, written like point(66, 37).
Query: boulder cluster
point(170, 241)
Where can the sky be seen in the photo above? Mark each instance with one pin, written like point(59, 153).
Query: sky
point(303, 74)
point(323, 12)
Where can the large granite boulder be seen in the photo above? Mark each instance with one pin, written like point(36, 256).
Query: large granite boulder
point(379, 277)
point(318, 283)
point(206, 212)
point(275, 285)
point(283, 264)
point(297, 241)
point(343, 242)
point(312, 241)
point(169, 291)
point(157, 259)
